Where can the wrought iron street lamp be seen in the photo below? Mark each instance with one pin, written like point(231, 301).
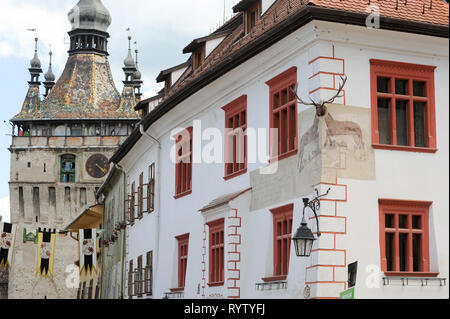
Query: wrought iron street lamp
point(303, 237)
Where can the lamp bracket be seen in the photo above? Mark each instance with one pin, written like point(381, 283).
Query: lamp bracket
point(314, 205)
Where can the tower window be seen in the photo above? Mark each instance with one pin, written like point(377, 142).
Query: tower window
point(21, 203)
point(36, 203)
point(76, 130)
point(68, 169)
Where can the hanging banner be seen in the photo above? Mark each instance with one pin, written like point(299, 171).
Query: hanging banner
point(7, 240)
point(46, 252)
point(88, 250)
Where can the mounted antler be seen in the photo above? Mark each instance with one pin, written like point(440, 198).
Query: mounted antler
point(320, 106)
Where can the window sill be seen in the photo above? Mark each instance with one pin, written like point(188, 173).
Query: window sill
point(410, 274)
point(404, 148)
point(180, 289)
point(182, 194)
point(236, 174)
point(283, 156)
point(274, 278)
point(215, 284)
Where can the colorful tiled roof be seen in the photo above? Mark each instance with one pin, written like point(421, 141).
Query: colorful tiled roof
point(85, 90)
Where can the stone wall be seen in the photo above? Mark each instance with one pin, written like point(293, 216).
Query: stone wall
point(3, 284)
point(35, 173)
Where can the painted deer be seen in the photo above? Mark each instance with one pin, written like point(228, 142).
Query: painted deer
point(334, 128)
point(343, 128)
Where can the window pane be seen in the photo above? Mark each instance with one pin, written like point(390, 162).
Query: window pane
point(403, 221)
point(292, 125)
point(419, 88)
point(419, 124)
point(284, 131)
point(384, 121)
point(383, 85)
point(402, 123)
point(417, 240)
point(403, 251)
point(291, 93)
point(276, 100)
point(389, 221)
point(416, 222)
point(389, 251)
point(401, 87)
point(284, 97)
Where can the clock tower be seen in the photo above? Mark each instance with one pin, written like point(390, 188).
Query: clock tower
point(61, 147)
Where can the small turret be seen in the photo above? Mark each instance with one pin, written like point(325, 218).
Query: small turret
point(35, 69)
point(128, 98)
point(137, 79)
point(32, 100)
point(49, 77)
point(129, 65)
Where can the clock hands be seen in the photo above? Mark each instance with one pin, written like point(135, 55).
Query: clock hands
point(102, 169)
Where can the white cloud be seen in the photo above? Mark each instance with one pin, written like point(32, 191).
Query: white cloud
point(4, 209)
point(6, 49)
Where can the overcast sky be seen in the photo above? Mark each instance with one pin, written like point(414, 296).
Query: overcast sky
point(162, 28)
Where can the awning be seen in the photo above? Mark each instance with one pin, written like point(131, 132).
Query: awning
point(92, 217)
point(223, 200)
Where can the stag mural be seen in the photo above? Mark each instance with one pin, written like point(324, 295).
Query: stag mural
point(334, 128)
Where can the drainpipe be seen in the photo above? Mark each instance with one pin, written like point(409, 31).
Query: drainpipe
point(158, 190)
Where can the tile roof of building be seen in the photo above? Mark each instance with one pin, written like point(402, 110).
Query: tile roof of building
point(429, 17)
point(438, 14)
point(430, 11)
point(85, 90)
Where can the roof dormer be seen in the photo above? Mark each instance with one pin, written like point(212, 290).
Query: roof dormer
point(172, 75)
point(201, 48)
point(252, 12)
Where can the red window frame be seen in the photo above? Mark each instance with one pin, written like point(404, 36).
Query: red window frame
point(216, 252)
point(183, 165)
point(411, 73)
point(283, 114)
point(282, 230)
point(183, 249)
point(409, 219)
point(235, 125)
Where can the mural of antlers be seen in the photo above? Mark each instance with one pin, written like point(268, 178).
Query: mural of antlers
point(320, 106)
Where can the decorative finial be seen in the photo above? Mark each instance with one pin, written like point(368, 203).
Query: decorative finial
point(49, 76)
point(137, 74)
point(129, 62)
point(35, 62)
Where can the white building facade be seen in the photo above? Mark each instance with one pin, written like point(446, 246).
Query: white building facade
point(226, 232)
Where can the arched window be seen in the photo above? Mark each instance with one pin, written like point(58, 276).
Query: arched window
point(68, 168)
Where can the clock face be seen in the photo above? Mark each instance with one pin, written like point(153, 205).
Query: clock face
point(97, 165)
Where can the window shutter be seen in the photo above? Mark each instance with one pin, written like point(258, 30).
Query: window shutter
point(130, 280)
point(149, 274)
